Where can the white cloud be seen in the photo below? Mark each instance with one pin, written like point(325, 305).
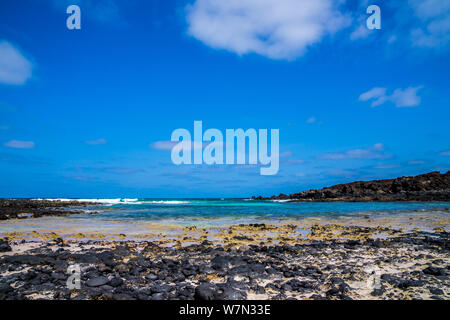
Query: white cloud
point(341, 173)
point(14, 67)
point(392, 38)
point(374, 152)
point(416, 23)
point(435, 17)
point(311, 120)
point(107, 169)
point(378, 147)
point(163, 145)
point(278, 29)
point(168, 145)
point(17, 144)
point(400, 97)
point(295, 161)
point(386, 166)
point(360, 33)
point(97, 142)
point(416, 162)
point(406, 98)
point(285, 154)
point(426, 9)
point(372, 93)
point(360, 30)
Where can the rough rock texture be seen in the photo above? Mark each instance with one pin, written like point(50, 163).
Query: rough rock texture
point(432, 186)
point(4, 245)
point(410, 266)
point(26, 208)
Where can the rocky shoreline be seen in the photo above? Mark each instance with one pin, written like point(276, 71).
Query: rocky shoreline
point(27, 208)
point(351, 265)
point(432, 186)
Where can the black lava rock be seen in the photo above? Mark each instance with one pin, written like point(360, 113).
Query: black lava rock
point(434, 271)
point(204, 291)
point(97, 282)
point(115, 282)
point(4, 246)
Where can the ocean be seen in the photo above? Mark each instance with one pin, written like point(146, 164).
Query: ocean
point(153, 218)
point(232, 211)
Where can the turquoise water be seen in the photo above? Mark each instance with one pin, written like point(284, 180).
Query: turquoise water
point(249, 210)
point(154, 216)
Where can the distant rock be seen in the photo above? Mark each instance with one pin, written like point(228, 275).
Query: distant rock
point(432, 186)
point(28, 208)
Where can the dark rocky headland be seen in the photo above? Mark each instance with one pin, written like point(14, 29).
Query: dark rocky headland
point(432, 186)
point(27, 208)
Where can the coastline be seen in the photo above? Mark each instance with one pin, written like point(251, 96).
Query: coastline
point(216, 230)
point(411, 265)
point(312, 259)
point(337, 200)
point(432, 186)
point(378, 255)
point(36, 208)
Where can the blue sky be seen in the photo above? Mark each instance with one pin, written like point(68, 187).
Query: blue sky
point(82, 111)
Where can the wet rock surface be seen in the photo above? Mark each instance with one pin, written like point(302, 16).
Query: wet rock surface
point(26, 208)
point(4, 246)
point(432, 186)
point(410, 266)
